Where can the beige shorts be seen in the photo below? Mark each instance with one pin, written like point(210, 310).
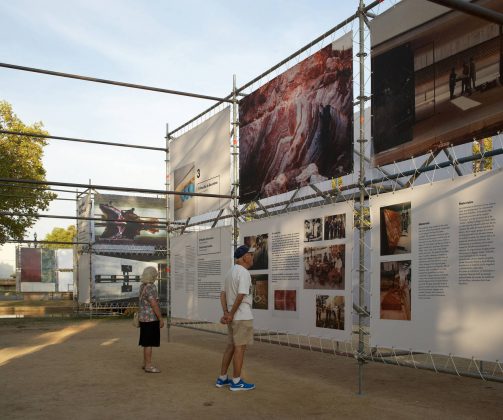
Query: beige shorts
point(240, 332)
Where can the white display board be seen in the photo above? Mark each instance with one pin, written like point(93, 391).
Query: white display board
point(199, 262)
point(200, 162)
point(301, 277)
point(437, 280)
point(64, 260)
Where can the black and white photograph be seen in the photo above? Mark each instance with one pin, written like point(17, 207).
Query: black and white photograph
point(330, 312)
point(313, 230)
point(334, 227)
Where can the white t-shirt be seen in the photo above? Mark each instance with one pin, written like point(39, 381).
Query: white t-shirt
point(238, 281)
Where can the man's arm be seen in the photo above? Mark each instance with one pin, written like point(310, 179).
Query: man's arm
point(223, 302)
point(235, 306)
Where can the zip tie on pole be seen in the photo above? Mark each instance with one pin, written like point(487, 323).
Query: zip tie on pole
point(372, 354)
point(476, 365)
point(394, 354)
point(454, 364)
point(498, 365)
point(380, 354)
point(412, 357)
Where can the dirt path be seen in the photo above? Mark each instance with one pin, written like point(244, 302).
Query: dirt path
point(59, 369)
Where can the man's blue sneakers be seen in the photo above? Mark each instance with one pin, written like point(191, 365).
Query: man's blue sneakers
point(220, 383)
point(241, 386)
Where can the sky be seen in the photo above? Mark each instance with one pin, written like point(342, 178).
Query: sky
point(192, 46)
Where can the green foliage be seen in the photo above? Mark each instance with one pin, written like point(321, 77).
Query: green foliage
point(20, 158)
point(61, 235)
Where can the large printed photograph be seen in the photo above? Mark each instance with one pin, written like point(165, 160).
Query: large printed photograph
point(297, 129)
point(436, 84)
point(200, 163)
point(129, 220)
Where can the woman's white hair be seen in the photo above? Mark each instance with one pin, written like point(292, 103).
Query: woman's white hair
point(149, 275)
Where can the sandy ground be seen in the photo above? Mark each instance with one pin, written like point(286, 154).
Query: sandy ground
point(59, 369)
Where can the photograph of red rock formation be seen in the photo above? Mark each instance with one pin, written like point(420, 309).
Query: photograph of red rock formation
point(297, 129)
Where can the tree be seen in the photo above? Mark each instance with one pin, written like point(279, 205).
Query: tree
point(61, 235)
point(20, 158)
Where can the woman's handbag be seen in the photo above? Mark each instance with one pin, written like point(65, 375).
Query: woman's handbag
point(136, 320)
point(136, 315)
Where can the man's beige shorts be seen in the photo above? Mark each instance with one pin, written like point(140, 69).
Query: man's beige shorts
point(240, 332)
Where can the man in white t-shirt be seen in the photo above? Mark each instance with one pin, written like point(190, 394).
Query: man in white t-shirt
point(236, 300)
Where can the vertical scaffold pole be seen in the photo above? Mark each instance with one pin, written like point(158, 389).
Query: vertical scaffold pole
point(76, 257)
point(168, 235)
point(235, 127)
point(91, 280)
point(361, 181)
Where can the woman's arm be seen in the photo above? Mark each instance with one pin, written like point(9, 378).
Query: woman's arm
point(157, 311)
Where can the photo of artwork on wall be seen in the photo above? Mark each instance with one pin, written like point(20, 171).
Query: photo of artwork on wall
point(285, 300)
point(396, 230)
point(261, 254)
point(260, 291)
point(396, 290)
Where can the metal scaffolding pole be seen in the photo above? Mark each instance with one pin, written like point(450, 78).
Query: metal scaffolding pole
point(361, 180)
point(168, 238)
point(111, 82)
point(112, 188)
point(235, 127)
point(102, 143)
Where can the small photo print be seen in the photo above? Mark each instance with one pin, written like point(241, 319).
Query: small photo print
point(396, 229)
point(260, 291)
point(313, 230)
point(324, 267)
point(260, 256)
point(395, 293)
point(330, 312)
point(285, 300)
point(334, 227)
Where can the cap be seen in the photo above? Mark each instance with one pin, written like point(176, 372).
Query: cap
point(242, 250)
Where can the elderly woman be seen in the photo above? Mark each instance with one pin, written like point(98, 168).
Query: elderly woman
point(150, 318)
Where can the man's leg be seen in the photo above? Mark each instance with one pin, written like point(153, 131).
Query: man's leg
point(226, 359)
point(239, 353)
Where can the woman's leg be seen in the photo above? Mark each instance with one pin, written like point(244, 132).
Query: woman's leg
point(147, 357)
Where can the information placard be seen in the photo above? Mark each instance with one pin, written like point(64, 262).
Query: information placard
point(437, 282)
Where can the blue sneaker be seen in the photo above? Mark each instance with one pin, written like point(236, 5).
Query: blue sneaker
point(220, 383)
point(241, 386)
